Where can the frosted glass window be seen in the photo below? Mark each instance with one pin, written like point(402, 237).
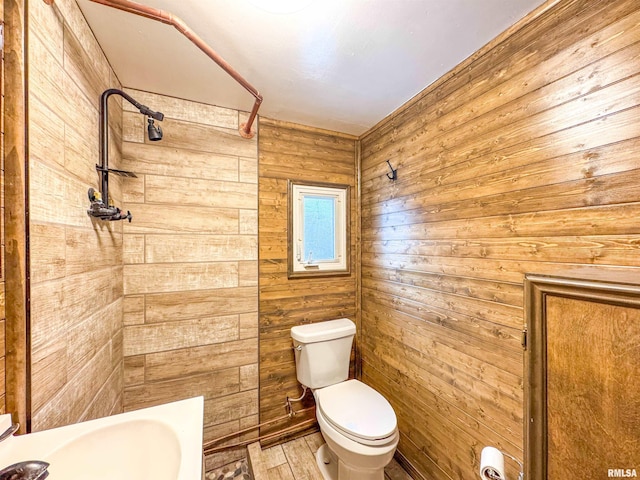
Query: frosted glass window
point(318, 229)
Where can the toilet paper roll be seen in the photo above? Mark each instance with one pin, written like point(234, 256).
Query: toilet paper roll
point(492, 464)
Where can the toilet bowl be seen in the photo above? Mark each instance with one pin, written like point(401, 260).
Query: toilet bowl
point(360, 429)
point(358, 423)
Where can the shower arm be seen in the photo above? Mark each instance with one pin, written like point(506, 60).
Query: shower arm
point(178, 24)
point(103, 168)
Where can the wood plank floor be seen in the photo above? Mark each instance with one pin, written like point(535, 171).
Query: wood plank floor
point(295, 460)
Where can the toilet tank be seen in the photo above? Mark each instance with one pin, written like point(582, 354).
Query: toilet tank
point(323, 351)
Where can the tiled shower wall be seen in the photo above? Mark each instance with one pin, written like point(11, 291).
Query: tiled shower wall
point(190, 264)
point(76, 262)
point(188, 288)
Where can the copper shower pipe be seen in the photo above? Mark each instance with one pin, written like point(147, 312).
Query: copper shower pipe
point(170, 19)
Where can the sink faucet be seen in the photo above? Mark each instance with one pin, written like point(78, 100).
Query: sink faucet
point(29, 470)
point(9, 431)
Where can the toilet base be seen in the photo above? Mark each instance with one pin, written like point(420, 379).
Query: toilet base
point(327, 462)
point(332, 469)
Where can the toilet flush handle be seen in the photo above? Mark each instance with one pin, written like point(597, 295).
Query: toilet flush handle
point(298, 347)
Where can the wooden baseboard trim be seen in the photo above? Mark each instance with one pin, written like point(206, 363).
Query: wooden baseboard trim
point(408, 467)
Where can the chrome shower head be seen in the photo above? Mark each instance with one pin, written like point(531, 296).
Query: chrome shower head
point(154, 132)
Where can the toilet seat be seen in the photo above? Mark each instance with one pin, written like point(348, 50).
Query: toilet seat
point(358, 412)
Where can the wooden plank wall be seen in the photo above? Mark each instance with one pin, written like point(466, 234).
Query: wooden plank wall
point(76, 261)
point(290, 151)
point(190, 265)
point(14, 158)
point(525, 158)
point(2, 236)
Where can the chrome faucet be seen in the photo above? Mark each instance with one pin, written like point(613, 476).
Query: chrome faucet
point(29, 470)
point(9, 431)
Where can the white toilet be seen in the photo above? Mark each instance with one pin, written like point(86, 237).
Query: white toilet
point(358, 424)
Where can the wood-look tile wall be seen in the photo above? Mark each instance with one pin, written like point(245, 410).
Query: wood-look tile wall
point(190, 264)
point(289, 151)
point(76, 261)
point(524, 159)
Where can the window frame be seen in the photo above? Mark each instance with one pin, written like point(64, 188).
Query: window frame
point(295, 268)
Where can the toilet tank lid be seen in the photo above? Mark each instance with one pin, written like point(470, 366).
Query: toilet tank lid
point(321, 331)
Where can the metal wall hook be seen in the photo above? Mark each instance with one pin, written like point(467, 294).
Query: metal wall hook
point(394, 172)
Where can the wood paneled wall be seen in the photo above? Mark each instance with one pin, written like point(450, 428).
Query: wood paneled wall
point(190, 264)
point(76, 261)
point(2, 228)
point(289, 151)
point(14, 186)
point(525, 158)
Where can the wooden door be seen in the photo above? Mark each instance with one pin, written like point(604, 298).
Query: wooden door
point(582, 368)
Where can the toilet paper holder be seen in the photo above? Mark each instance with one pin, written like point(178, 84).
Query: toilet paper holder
point(492, 464)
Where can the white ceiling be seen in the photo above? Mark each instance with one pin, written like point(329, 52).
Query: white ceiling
point(342, 65)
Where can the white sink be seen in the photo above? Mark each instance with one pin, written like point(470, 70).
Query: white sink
point(156, 443)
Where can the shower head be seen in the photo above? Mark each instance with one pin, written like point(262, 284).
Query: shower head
point(155, 133)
